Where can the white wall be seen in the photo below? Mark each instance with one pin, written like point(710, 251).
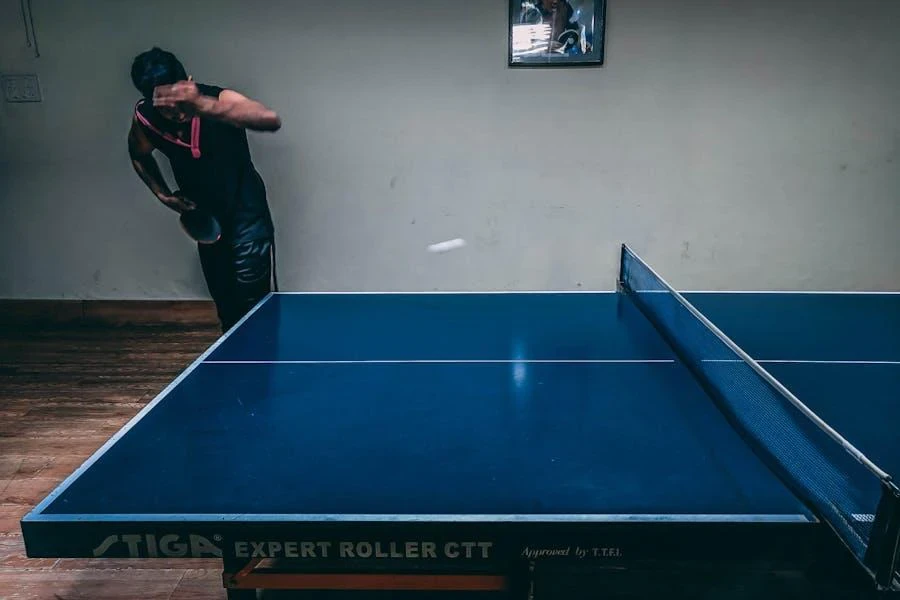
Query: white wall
point(733, 144)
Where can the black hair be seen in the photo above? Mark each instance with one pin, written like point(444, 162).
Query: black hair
point(155, 67)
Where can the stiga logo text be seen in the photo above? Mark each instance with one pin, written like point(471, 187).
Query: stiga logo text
point(165, 546)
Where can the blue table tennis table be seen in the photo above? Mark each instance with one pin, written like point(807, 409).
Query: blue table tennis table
point(526, 444)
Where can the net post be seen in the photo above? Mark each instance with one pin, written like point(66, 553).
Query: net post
point(620, 279)
point(883, 552)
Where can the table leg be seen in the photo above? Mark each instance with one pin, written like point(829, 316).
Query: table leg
point(235, 569)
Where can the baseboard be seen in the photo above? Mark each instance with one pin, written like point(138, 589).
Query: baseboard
point(113, 313)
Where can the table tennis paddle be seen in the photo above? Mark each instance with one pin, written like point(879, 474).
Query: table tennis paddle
point(201, 226)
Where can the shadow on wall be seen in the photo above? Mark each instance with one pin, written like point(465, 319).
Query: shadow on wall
point(283, 168)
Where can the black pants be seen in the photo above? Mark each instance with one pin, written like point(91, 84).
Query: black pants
point(237, 276)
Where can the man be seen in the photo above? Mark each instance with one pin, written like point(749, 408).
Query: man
point(201, 129)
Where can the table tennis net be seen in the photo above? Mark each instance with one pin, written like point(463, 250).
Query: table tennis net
point(845, 492)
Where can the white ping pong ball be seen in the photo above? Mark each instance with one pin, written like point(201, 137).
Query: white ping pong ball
point(447, 246)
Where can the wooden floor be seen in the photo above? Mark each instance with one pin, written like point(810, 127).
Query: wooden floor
point(64, 390)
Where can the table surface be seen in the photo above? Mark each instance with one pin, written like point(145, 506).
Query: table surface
point(506, 405)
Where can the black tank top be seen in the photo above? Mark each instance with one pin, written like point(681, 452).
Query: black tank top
point(214, 169)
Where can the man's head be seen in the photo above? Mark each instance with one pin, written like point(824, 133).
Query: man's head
point(157, 67)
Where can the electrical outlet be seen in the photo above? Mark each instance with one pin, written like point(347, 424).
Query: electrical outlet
point(21, 88)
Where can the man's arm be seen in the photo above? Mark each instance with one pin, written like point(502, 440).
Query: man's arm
point(239, 110)
point(141, 152)
point(230, 107)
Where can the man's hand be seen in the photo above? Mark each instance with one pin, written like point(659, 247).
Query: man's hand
point(177, 202)
point(179, 96)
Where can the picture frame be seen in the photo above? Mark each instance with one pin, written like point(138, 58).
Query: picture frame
point(553, 33)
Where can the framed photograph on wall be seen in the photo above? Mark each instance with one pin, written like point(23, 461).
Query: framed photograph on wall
point(556, 32)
